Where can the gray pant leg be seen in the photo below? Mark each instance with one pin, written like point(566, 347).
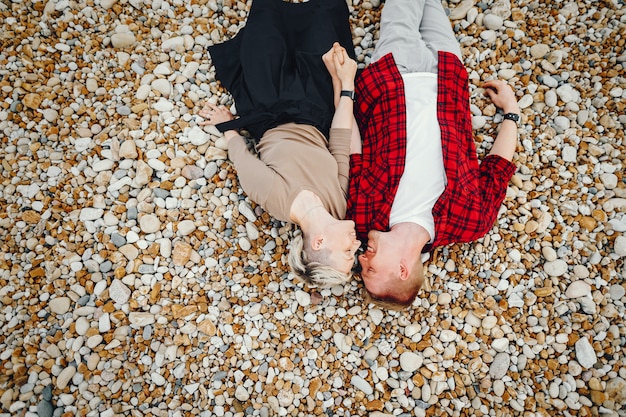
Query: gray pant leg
point(414, 31)
point(436, 29)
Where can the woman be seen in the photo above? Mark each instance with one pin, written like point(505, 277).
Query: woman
point(285, 96)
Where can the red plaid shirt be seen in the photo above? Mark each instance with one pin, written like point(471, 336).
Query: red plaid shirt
point(469, 205)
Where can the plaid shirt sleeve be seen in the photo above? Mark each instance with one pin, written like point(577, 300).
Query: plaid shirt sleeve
point(469, 205)
point(376, 173)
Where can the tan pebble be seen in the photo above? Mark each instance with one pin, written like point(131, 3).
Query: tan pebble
point(182, 253)
point(599, 215)
point(314, 386)
point(594, 383)
point(207, 327)
point(531, 226)
point(286, 364)
point(139, 108)
point(32, 101)
point(543, 292)
point(65, 377)
point(588, 223)
point(92, 362)
point(444, 298)
point(598, 397)
point(182, 311)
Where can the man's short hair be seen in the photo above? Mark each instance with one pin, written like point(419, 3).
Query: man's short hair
point(402, 294)
point(312, 266)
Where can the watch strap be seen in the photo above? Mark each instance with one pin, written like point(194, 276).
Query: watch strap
point(347, 93)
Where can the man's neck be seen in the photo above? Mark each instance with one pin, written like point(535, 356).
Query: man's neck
point(412, 234)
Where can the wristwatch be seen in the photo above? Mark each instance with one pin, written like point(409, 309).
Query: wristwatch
point(512, 116)
point(348, 93)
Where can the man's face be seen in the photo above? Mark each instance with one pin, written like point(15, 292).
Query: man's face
point(378, 263)
point(343, 244)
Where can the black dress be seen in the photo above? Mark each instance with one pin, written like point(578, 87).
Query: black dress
point(273, 66)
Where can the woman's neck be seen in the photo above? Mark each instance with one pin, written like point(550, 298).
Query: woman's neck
point(306, 206)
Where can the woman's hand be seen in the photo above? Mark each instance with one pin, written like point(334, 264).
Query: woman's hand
point(345, 68)
point(502, 95)
point(214, 114)
point(328, 59)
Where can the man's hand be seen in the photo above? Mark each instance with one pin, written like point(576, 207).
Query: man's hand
point(214, 114)
point(502, 95)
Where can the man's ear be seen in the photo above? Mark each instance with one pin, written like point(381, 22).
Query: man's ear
point(317, 242)
point(404, 270)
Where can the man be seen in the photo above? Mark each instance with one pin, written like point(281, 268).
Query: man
point(413, 106)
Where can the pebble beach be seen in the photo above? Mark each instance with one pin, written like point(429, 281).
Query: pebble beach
point(138, 279)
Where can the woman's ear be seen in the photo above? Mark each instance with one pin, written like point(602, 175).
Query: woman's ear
point(317, 242)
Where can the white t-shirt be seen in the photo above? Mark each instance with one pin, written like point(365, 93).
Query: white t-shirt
point(424, 177)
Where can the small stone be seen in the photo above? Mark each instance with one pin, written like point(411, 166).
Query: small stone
point(163, 86)
point(123, 40)
point(303, 298)
point(32, 101)
point(207, 327)
point(149, 223)
point(182, 253)
point(361, 384)
point(410, 362)
point(65, 377)
point(119, 292)
point(616, 390)
point(585, 355)
point(241, 393)
point(128, 150)
point(555, 268)
point(489, 322)
point(616, 291)
point(539, 50)
point(620, 246)
point(460, 11)
point(578, 289)
point(45, 409)
point(499, 366)
point(186, 227)
point(140, 319)
point(500, 345)
point(376, 315)
point(197, 136)
point(493, 22)
point(192, 172)
point(60, 305)
point(498, 387)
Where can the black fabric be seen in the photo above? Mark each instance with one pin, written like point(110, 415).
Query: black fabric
point(273, 66)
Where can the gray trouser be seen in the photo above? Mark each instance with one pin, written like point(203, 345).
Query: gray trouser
point(414, 31)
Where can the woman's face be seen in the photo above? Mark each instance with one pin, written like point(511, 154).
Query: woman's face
point(342, 242)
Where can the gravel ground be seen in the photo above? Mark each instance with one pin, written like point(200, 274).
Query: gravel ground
point(137, 279)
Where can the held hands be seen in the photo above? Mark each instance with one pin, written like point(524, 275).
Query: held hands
point(502, 95)
point(340, 66)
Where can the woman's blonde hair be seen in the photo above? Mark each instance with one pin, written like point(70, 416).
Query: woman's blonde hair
point(312, 266)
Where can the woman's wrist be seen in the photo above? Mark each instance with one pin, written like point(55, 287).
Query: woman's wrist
point(229, 134)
